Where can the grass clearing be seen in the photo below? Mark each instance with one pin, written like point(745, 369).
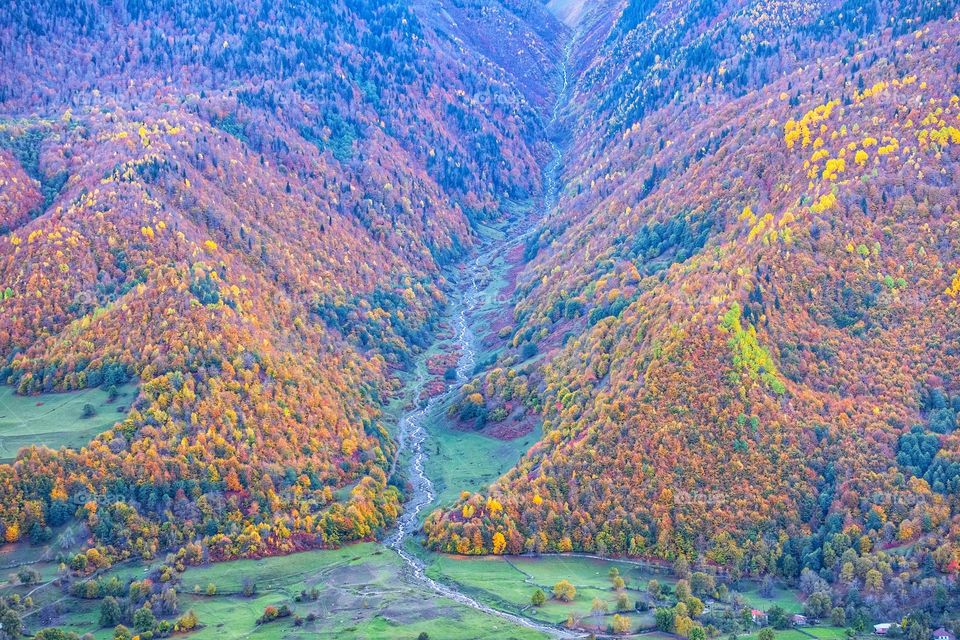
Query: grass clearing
point(794, 634)
point(234, 617)
point(464, 461)
point(491, 577)
point(466, 625)
point(826, 633)
point(509, 582)
point(56, 419)
point(586, 572)
point(360, 594)
point(786, 598)
point(289, 573)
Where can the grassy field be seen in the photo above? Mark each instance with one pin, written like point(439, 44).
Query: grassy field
point(56, 419)
point(16, 555)
point(586, 571)
point(783, 597)
point(464, 461)
point(802, 633)
point(826, 633)
point(779, 634)
point(41, 559)
point(360, 595)
point(508, 583)
point(285, 573)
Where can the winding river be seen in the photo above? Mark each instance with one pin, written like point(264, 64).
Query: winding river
point(412, 437)
point(412, 434)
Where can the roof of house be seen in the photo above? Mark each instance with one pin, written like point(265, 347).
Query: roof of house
point(941, 633)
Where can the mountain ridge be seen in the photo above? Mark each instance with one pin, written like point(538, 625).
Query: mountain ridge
point(255, 233)
point(735, 328)
point(735, 311)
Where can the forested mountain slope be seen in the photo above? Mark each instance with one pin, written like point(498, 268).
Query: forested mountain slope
point(244, 207)
point(519, 36)
point(744, 309)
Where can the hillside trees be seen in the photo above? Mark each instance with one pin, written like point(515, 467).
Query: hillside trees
point(744, 304)
point(254, 235)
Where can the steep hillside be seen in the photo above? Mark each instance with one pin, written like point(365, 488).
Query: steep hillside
point(518, 36)
point(244, 207)
point(744, 311)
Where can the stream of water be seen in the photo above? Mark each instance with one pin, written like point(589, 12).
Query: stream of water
point(412, 433)
point(412, 437)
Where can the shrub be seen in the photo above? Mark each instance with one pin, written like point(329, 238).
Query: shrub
point(271, 613)
point(55, 634)
point(187, 622)
point(110, 612)
point(144, 620)
point(620, 624)
point(528, 350)
point(564, 591)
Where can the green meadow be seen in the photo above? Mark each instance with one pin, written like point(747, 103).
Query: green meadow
point(466, 461)
point(58, 419)
point(508, 583)
point(358, 593)
point(785, 598)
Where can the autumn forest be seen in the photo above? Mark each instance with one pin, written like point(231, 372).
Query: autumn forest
point(429, 287)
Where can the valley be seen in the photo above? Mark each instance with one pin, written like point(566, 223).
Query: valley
point(397, 589)
point(415, 441)
point(512, 319)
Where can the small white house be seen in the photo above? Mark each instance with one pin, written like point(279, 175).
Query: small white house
point(942, 634)
point(882, 628)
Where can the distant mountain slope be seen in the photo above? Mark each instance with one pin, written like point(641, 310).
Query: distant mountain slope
point(518, 36)
point(747, 302)
point(570, 12)
point(245, 207)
